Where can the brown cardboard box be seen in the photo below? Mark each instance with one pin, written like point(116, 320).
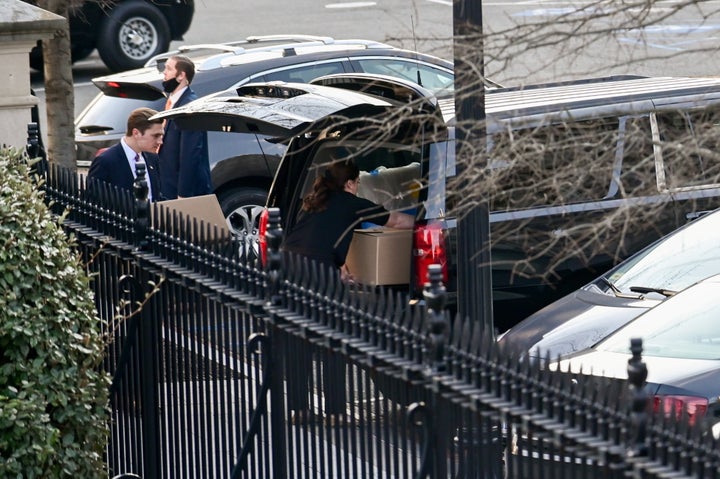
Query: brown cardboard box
point(379, 256)
point(203, 208)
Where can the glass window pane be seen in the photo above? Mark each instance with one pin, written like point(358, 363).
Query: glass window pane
point(438, 81)
point(690, 147)
point(552, 164)
point(305, 73)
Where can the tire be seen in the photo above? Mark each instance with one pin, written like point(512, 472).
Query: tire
point(37, 61)
point(242, 208)
point(132, 34)
point(81, 52)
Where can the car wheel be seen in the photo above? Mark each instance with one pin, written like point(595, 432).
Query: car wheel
point(78, 53)
point(133, 33)
point(242, 208)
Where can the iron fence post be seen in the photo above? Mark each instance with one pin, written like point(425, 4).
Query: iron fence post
point(273, 237)
point(148, 342)
point(33, 149)
point(435, 295)
point(33, 140)
point(637, 374)
point(142, 207)
point(148, 338)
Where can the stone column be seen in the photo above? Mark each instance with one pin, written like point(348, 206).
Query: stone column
point(21, 26)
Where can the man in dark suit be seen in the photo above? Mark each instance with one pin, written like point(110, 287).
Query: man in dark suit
point(184, 163)
point(117, 165)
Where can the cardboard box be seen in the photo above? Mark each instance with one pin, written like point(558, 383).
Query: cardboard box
point(380, 256)
point(203, 208)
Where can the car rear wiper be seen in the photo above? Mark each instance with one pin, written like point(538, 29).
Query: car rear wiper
point(644, 290)
point(94, 128)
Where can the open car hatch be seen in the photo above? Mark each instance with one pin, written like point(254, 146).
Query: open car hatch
point(279, 109)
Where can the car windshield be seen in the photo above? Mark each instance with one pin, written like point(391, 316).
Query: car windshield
point(685, 327)
point(686, 257)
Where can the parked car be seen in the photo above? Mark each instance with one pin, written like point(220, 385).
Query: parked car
point(126, 33)
point(681, 348)
point(591, 313)
point(243, 165)
point(616, 124)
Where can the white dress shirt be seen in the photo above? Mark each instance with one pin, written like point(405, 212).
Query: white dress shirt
point(130, 154)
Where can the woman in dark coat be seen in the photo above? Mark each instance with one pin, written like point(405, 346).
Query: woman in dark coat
point(323, 233)
point(330, 213)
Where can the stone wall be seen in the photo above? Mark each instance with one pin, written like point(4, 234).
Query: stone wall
point(21, 26)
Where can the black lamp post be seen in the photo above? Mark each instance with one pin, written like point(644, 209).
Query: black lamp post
point(474, 270)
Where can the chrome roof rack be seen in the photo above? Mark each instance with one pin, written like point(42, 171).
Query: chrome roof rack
point(215, 55)
point(219, 60)
point(235, 46)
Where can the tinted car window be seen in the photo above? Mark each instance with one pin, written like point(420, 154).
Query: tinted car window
point(438, 81)
point(570, 162)
point(106, 111)
point(389, 175)
point(690, 147)
point(305, 73)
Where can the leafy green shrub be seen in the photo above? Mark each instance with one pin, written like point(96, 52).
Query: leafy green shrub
point(53, 398)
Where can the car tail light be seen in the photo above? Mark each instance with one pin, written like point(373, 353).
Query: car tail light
point(692, 406)
point(428, 248)
point(262, 242)
point(116, 86)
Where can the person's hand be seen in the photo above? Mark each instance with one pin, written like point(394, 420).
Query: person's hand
point(345, 275)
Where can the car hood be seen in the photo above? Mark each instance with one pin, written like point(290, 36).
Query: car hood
point(281, 110)
point(574, 322)
point(665, 375)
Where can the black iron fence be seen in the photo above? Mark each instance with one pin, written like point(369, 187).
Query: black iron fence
point(224, 369)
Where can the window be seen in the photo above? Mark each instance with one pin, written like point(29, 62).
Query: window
point(389, 175)
point(690, 146)
point(305, 73)
point(635, 162)
point(552, 164)
point(438, 81)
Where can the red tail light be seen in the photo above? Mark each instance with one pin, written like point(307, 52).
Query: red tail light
point(692, 406)
point(262, 242)
point(428, 248)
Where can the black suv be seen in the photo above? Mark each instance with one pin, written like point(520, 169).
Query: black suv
point(126, 33)
point(243, 165)
point(604, 154)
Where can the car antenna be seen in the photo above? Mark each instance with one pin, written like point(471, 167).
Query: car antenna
point(417, 59)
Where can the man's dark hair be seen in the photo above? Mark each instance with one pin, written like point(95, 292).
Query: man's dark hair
point(184, 64)
point(140, 119)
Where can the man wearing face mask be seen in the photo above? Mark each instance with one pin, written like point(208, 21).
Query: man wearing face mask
point(184, 164)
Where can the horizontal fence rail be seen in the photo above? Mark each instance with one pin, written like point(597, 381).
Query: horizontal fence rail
point(223, 368)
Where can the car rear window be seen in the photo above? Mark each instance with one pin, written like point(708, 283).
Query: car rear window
point(112, 112)
point(390, 175)
point(438, 81)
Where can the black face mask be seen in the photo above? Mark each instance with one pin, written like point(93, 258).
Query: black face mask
point(170, 85)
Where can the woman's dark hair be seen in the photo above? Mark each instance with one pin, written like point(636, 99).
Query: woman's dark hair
point(333, 179)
